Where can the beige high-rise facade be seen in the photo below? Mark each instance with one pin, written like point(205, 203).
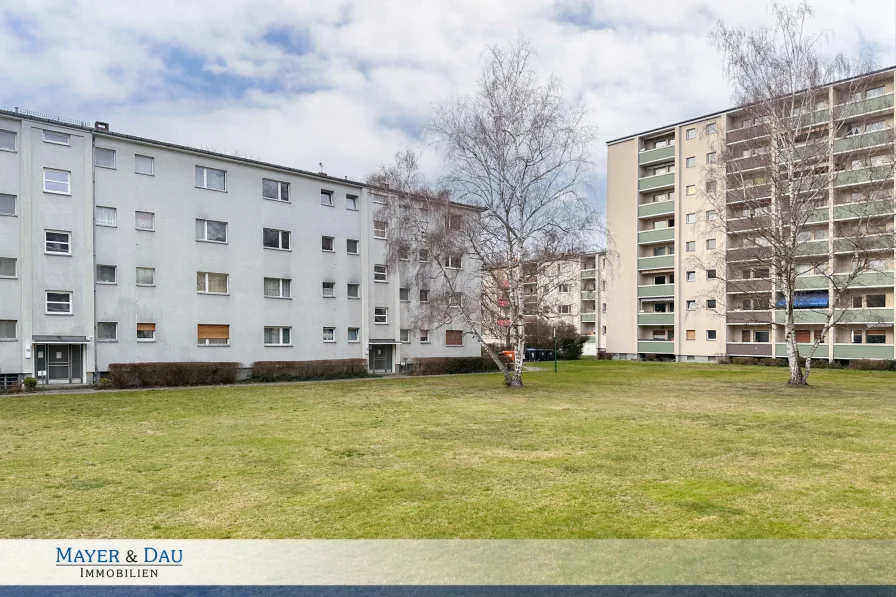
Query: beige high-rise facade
point(658, 218)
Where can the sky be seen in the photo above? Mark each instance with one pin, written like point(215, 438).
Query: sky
point(347, 83)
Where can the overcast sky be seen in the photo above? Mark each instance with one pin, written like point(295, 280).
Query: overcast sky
point(349, 82)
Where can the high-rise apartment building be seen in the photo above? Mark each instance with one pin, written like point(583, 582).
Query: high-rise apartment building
point(118, 249)
point(658, 211)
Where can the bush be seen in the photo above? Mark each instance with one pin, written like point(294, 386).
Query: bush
point(133, 375)
point(454, 365)
point(267, 371)
point(870, 365)
point(30, 384)
point(570, 349)
point(15, 388)
point(744, 361)
point(104, 384)
point(605, 356)
point(723, 359)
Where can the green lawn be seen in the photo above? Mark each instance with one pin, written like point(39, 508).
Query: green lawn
point(600, 450)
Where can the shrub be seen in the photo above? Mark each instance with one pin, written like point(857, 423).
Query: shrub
point(454, 365)
point(744, 361)
point(268, 371)
point(30, 384)
point(133, 375)
point(605, 356)
point(570, 349)
point(723, 359)
point(15, 388)
point(870, 365)
point(104, 384)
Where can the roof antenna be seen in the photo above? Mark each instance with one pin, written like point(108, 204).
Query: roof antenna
point(321, 164)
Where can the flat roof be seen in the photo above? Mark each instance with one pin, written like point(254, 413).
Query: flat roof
point(719, 113)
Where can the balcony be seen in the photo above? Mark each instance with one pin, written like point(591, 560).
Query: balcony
point(749, 349)
point(658, 262)
point(747, 132)
point(656, 318)
point(863, 351)
point(588, 295)
point(749, 253)
point(588, 274)
point(850, 211)
point(863, 141)
point(878, 242)
point(657, 182)
point(815, 247)
point(873, 174)
point(811, 283)
point(659, 208)
point(656, 346)
point(653, 156)
point(588, 317)
point(748, 194)
point(867, 106)
point(746, 164)
point(659, 235)
point(820, 353)
point(870, 315)
point(748, 317)
point(871, 280)
point(656, 290)
point(749, 286)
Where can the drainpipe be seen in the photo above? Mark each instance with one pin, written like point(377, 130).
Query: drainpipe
point(93, 249)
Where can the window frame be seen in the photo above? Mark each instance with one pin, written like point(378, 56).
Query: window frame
point(114, 281)
point(460, 334)
point(152, 215)
point(690, 162)
point(137, 276)
point(204, 185)
point(114, 165)
point(323, 243)
point(206, 239)
point(450, 258)
point(67, 142)
point(280, 186)
point(68, 242)
point(348, 293)
point(404, 336)
point(115, 328)
point(381, 233)
point(280, 333)
point(423, 337)
point(384, 316)
point(15, 139)
point(114, 212)
point(152, 164)
point(329, 195)
point(215, 344)
point(690, 133)
point(153, 338)
point(325, 286)
point(280, 234)
point(357, 334)
point(349, 200)
point(348, 250)
point(68, 183)
point(281, 282)
point(15, 267)
point(15, 203)
point(207, 291)
point(384, 273)
point(70, 302)
point(332, 332)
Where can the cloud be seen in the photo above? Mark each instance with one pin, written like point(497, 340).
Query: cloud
point(348, 82)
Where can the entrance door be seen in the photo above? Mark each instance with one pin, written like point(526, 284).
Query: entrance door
point(58, 363)
point(381, 357)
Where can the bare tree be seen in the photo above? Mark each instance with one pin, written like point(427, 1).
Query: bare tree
point(518, 152)
point(801, 184)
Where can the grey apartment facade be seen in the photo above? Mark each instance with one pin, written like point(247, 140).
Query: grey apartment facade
point(118, 249)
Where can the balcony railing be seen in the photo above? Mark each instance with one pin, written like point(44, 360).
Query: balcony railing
point(659, 154)
point(866, 106)
point(748, 253)
point(856, 142)
point(749, 349)
point(656, 290)
point(748, 317)
point(588, 317)
point(748, 194)
point(873, 174)
point(749, 285)
point(877, 242)
point(656, 346)
point(656, 318)
point(658, 235)
point(588, 295)
point(870, 280)
point(657, 262)
point(820, 353)
point(588, 274)
point(869, 315)
point(656, 182)
point(863, 351)
point(659, 208)
point(851, 211)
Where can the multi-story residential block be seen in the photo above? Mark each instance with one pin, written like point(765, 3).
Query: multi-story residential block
point(657, 213)
point(117, 249)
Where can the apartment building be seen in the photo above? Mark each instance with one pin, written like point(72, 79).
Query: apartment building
point(658, 218)
point(115, 249)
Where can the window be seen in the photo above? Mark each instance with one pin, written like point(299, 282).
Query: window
point(659, 280)
point(659, 251)
point(690, 246)
point(106, 274)
point(379, 229)
point(329, 289)
point(213, 335)
point(454, 261)
point(146, 332)
point(563, 288)
point(59, 303)
point(211, 179)
point(210, 283)
point(711, 128)
point(380, 315)
point(857, 337)
point(57, 138)
point(691, 305)
point(690, 276)
point(710, 303)
point(404, 295)
point(857, 302)
point(876, 300)
point(564, 309)
point(711, 215)
point(690, 134)
point(711, 187)
point(106, 331)
point(454, 221)
point(275, 239)
point(327, 243)
point(211, 231)
point(58, 243)
point(876, 336)
point(7, 140)
point(106, 216)
point(354, 334)
point(690, 334)
point(351, 246)
point(710, 334)
point(277, 287)
point(690, 218)
point(710, 274)
point(760, 335)
point(690, 162)
point(710, 243)
point(424, 295)
point(380, 273)
point(144, 220)
point(711, 157)
point(690, 190)
point(404, 253)
point(144, 164)
point(404, 336)
point(351, 202)
point(377, 198)
point(326, 198)
point(104, 158)
point(277, 336)
point(423, 255)
point(7, 267)
point(424, 336)
point(353, 291)
point(146, 276)
point(454, 338)
point(57, 181)
point(8, 329)
point(275, 190)
point(7, 205)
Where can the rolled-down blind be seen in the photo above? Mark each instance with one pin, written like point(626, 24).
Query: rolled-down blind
point(454, 337)
point(147, 327)
point(214, 331)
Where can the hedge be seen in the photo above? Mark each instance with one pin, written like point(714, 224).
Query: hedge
point(266, 371)
point(870, 365)
point(452, 365)
point(134, 375)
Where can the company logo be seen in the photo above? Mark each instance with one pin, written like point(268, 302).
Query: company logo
point(117, 564)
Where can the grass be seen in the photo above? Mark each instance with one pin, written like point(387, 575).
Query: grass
point(600, 450)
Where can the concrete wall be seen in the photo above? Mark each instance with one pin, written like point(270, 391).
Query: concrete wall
point(622, 225)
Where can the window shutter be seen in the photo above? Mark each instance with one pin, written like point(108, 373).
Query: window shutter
point(151, 327)
point(454, 337)
point(803, 336)
point(214, 332)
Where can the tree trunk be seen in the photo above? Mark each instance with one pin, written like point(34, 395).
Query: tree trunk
point(516, 381)
point(793, 360)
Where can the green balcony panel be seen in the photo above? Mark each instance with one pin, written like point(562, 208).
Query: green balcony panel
point(863, 351)
point(875, 174)
point(808, 316)
point(659, 208)
point(656, 236)
point(871, 280)
point(811, 282)
point(659, 154)
point(801, 316)
point(816, 247)
point(656, 318)
point(659, 262)
point(588, 317)
point(865, 243)
point(820, 353)
point(874, 104)
point(820, 116)
point(658, 181)
point(816, 216)
point(656, 290)
point(588, 295)
point(588, 274)
point(865, 141)
point(589, 340)
point(656, 346)
point(862, 210)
